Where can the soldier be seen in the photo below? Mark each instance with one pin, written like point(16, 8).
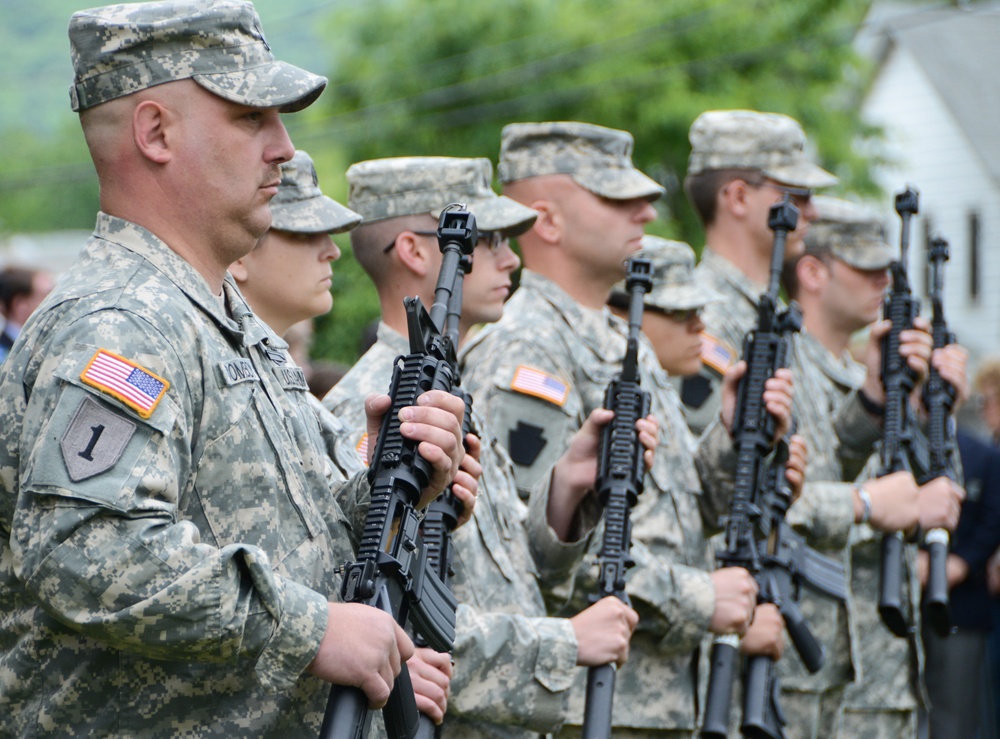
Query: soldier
point(839, 282)
point(21, 291)
point(170, 542)
point(672, 313)
point(544, 367)
point(513, 666)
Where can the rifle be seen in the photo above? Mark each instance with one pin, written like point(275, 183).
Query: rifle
point(782, 563)
point(441, 516)
point(619, 484)
point(391, 571)
point(939, 399)
point(897, 441)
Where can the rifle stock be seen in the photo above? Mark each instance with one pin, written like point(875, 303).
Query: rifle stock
point(619, 484)
point(392, 571)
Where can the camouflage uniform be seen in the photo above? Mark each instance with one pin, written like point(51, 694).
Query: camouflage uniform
point(883, 701)
point(774, 145)
point(580, 349)
point(513, 665)
point(142, 591)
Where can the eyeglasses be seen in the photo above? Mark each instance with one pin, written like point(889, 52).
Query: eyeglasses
point(798, 194)
point(493, 239)
point(680, 316)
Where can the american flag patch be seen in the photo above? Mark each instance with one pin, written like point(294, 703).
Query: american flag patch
point(535, 382)
point(716, 354)
point(362, 449)
point(136, 387)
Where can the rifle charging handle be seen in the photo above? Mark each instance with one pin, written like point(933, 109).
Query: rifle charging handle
point(907, 201)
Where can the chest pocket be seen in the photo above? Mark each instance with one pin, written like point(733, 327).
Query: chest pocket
point(249, 484)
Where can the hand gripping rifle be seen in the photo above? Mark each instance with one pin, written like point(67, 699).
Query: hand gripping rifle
point(441, 516)
point(783, 564)
point(939, 399)
point(619, 483)
point(391, 571)
point(897, 440)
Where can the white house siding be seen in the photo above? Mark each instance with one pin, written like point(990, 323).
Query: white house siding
point(936, 157)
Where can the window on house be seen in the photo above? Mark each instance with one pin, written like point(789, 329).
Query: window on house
point(974, 256)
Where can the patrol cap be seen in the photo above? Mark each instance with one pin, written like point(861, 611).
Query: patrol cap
point(674, 287)
point(597, 158)
point(746, 139)
point(852, 233)
point(121, 49)
point(405, 186)
point(301, 207)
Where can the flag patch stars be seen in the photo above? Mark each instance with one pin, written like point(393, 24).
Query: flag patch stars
point(135, 386)
point(542, 385)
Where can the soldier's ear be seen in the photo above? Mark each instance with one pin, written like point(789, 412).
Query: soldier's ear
point(413, 253)
point(811, 273)
point(549, 224)
point(149, 131)
point(238, 270)
point(733, 197)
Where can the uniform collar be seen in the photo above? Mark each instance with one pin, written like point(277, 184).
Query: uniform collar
point(722, 269)
point(589, 324)
point(844, 371)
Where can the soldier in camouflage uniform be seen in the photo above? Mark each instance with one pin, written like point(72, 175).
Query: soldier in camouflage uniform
point(544, 367)
point(286, 279)
point(169, 540)
point(513, 665)
point(840, 281)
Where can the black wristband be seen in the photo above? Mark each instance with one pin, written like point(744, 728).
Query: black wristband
point(870, 405)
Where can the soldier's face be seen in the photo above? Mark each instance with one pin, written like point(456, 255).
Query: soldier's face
point(770, 192)
point(854, 296)
point(488, 285)
point(230, 156)
point(287, 277)
point(676, 337)
point(603, 233)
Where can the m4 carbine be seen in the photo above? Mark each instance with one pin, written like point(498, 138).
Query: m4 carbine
point(391, 571)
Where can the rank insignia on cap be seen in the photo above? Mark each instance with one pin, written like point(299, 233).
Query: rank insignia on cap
point(135, 386)
point(716, 353)
point(531, 381)
point(362, 449)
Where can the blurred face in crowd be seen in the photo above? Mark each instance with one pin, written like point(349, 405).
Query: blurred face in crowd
point(765, 193)
point(853, 296)
point(676, 337)
point(287, 277)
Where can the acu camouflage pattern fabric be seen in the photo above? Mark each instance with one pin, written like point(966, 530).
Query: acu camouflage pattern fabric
point(745, 139)
point(674, 288)
point(300, 206)
point(853, 234)
point(407, 186)
point(121, 49)
point(597, 158)
point(670, 586)
point(513, 665)
point(182, 590)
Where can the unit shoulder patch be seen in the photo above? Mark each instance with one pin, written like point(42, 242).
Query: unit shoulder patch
point(94, 440)
point(135, 386)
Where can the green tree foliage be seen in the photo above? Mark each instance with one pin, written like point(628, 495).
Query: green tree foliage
point(413, 77)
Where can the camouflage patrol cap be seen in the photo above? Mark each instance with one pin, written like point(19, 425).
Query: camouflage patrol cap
point(674, 287)
point(597, 158)
point(746, 139)
point(301, 207)
point(121, 49)
point(405, 186)
point(852, 233)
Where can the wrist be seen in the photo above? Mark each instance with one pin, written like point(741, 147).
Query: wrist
point(862, 504)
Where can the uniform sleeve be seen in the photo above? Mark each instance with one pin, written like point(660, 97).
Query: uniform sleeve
point(715, 461)
point(531, 404)
point(857, 433)
point(512, 670)
point(102, 544)
point(824, 514)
